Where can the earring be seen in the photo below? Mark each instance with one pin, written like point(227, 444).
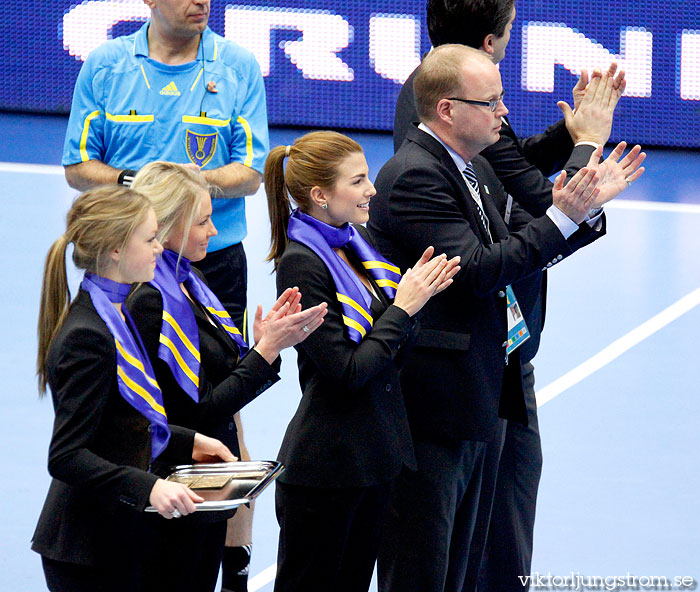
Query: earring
point(324, 206)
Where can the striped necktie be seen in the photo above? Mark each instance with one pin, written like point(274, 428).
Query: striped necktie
point(473, 182)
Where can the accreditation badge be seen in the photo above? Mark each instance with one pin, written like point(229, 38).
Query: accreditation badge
point(200, 147)
point(517, 329)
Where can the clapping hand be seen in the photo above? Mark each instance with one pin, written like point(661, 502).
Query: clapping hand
point(576, 198)
point(429, 276)
point(594, 105)
point(616, 172)
point(619, 83)
point(286, 324)
point(292, 296)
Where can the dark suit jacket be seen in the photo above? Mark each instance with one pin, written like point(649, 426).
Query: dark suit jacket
point(454, 379)
point(531, 291)
point(351, 428)
point(522, 166)
point(100, 449)
point(225, 385)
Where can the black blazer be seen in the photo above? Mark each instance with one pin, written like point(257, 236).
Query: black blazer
point(351, 427)
point(522, 166)
point(225, 385)
point(454, 379)
point(100, 449)
point(531, 291)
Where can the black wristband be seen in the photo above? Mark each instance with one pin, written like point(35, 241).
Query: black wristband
point(126, 177)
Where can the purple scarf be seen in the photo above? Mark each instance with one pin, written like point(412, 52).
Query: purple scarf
point(135, 377)
point(353, 296)
point(179, 336)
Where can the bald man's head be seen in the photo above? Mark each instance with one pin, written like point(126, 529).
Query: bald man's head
point(459, 94)
point(448, 70)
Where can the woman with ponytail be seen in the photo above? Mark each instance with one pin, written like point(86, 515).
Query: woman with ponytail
point(349, 438)
point(110, 423)
point(205, 368)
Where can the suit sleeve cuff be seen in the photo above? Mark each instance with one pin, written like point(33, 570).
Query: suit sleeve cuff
point(594, 218)
point(258, 366)
point(180, 446)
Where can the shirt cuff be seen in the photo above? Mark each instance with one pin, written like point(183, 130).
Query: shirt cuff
point(586, 143)
point(565, 224)
point(595, 221)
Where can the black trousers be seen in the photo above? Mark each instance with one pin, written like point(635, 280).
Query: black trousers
point(186, 555)
point(121, 562)
point(484, 515)
point(329, 537)
point(431, 519)
point(180, 555)
point(226, 272)
point(508, 551)
point(71, 577)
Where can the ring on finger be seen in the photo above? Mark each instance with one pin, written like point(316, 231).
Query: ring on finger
point(176, 513)
point(627, 180)
point(306, 329)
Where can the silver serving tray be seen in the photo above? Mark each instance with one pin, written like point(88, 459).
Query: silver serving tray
point(248, 480)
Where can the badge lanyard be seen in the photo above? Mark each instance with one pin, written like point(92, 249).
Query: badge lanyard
point(518, 332)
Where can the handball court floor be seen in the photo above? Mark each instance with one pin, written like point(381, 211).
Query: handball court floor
point(618, 377)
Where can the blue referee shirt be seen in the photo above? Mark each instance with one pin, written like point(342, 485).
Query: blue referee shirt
point(129, 110)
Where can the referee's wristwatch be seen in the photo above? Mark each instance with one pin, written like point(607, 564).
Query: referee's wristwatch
point(126, 177)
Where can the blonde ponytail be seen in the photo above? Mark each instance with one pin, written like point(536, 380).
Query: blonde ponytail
point(55, 297)
point(99, 221)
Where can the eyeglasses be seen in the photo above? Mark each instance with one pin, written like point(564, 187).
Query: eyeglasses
point(492, 104)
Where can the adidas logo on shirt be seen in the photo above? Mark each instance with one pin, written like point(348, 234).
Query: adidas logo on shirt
point(170, 90)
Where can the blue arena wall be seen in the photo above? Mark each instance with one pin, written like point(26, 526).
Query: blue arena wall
point(340, 63)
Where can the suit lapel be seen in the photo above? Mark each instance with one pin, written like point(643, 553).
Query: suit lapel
point(379, 302)
point(498, 227)
point(465, 200)
point(204, 323)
